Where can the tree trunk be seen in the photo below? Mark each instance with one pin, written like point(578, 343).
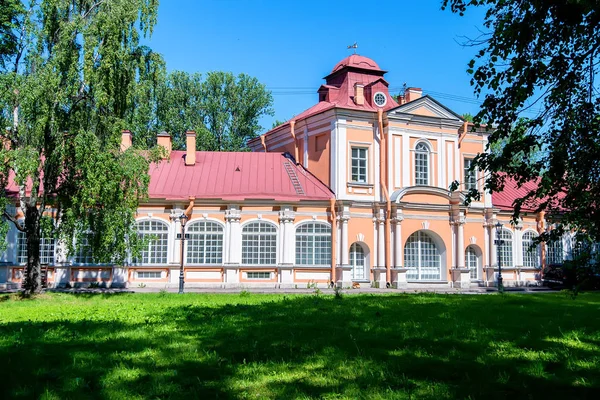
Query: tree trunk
point(32, 279)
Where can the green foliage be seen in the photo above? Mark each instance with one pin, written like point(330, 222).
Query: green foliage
point(224, 110)
point(66, 86)
point(128, 346)
point(542, 57)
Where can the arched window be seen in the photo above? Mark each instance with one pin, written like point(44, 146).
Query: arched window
point(422, 164)
point(204, 243)
point(313, 244)
point(47, 247)
point(357, 262)
point(555, 252)
point(530, 252)
point(259, 244)
point(83, 248)
point(472, 262)
point(505, 250)
point(422, 258)
point(155, 234)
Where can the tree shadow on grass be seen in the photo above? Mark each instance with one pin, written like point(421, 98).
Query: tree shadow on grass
point(426, 346)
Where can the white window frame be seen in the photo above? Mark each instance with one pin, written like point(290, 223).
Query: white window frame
point(313, 243)
point(505, 250)
point(555, 252)
point(418, 175)
point(259, 275)
point(138, 276)
point(531, 257)
point(470, 177)
point(204, 246)
point(264, 240)
point(156, 251)
point(83, 254)
point(47, 249)
point(358, 262)
point(420, 253)
point(472, 262)
point(358, 159)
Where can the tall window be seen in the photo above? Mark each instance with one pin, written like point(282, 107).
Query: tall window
point(83, 250)
point(470, 175)
point(205, 243)
point(46, 249)
point(530, 252)
point(359, 164)
point(259, 244)
point(422, 164)
point(471, 262)
point(555, 252)
point(357, 262)
point(155, 233)
point(313, 244)
point(505, 250)
point(422, 258)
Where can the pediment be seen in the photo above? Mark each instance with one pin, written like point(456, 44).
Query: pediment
point(426, 106)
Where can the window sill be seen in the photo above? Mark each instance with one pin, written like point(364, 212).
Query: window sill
point(360, 185)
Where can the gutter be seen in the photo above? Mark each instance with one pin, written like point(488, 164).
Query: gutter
point(383, 175)
point(333, 240)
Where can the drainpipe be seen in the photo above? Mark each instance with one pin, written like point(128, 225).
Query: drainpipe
point(464, 133)
point(262, 141)
point(383, 172)
point(188, 210)
point(292, 126)
point(333, 240)
point(541, 229)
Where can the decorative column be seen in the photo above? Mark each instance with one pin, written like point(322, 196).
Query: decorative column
point(379, 272)
point(460, 251)
point(517, 249)
point(398, 272)
point(344, 270)
point(286, 221)
point(461, 276)
point(233, 215)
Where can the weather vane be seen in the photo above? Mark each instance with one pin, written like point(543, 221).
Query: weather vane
point(353, 46)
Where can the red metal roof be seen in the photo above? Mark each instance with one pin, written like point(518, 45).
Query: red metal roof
point(234, 176)
point(504, 200)
point(356, 61)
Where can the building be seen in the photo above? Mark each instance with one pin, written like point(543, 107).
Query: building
point(352, 190)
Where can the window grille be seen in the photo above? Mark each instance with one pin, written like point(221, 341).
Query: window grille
point(530, 254)
point(155, 250)
point(555, 252)
point(472, 262)
point(422, 165)
point(47, 249)
point(357, 261)
point(259, 244)
point(359, 164)
point(470, 175)
point(505, 250)
point(313, 244)
point(258, 275)
point(83, 253)
point(149, 274)
point(422, 258)
point(205, 243)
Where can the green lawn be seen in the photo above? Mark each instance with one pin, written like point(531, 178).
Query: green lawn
point(61, 346)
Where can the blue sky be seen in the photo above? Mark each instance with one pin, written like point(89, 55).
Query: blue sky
point(291, 45)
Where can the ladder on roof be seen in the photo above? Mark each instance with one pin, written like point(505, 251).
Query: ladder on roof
point(293, 177)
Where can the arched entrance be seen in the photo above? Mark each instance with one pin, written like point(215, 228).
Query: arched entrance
point(473, 261)
point(359, 261)
point(423, 257)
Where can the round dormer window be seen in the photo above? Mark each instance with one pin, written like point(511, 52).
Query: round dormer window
point(379, 99)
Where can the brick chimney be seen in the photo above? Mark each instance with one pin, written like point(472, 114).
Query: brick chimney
point(190, 148)
point(359, 94)
point(412, 93)
point(125, 140)
point(163, 139)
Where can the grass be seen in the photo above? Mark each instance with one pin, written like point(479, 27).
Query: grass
point(251, 346)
